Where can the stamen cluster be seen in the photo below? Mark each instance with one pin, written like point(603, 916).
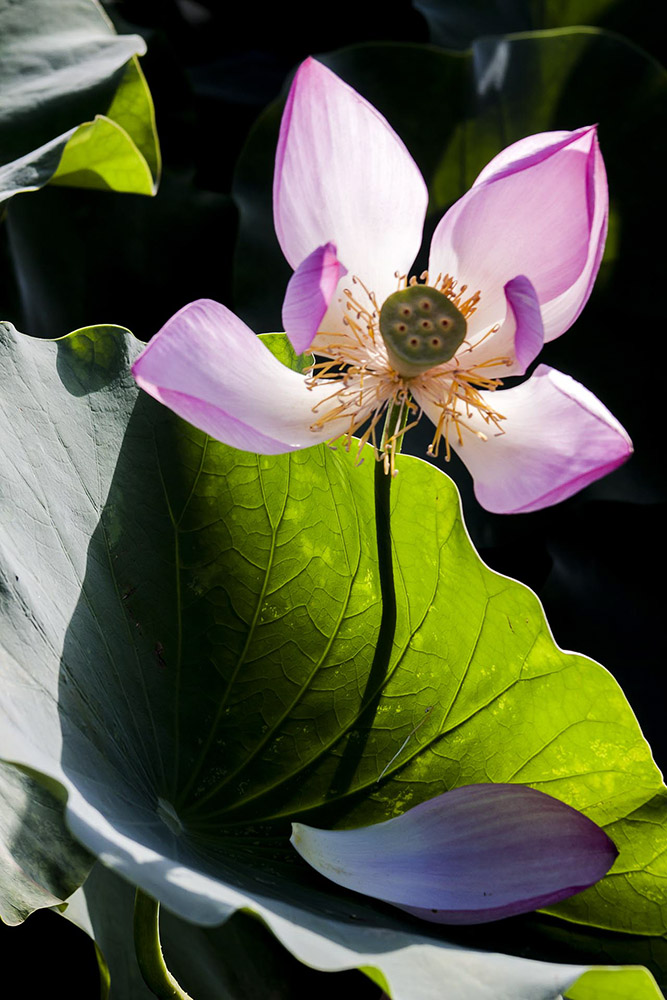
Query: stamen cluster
point(368, 388)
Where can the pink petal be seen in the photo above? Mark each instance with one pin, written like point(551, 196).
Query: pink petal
point(526, 153)
point(474, 854)
point(310, 289)
point(538, 209)
point(343, 174)
point(558, 438)
point(520, 337)
point(529, 329)
point(210, 368)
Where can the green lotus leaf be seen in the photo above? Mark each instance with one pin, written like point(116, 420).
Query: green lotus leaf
point(188, 649)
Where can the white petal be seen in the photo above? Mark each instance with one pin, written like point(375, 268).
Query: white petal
point(343, 175)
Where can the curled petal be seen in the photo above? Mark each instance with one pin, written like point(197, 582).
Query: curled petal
point(558, 437)
point(560, 313)
point(474, 854)
point(343, 174)
point(526, 153)
point(528, 326)
point(538, 209)
point(309, 292)
point(211, 369)
point(519, 339)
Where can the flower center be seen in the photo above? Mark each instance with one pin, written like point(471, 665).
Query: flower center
point(421, 328)
point(407, 347)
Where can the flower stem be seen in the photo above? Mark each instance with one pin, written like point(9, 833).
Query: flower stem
point(354, 749)
point(392, 435)
point(149, 951)
point(382, 488)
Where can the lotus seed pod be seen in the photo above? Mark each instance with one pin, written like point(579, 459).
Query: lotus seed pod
point(421, 328)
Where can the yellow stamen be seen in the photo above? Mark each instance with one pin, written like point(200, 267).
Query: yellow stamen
point(366, 387)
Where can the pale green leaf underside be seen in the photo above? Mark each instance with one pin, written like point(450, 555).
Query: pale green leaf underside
point(190, 635)
point(40, 862)
point(221, 963)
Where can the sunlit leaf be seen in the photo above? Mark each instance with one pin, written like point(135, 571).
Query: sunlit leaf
point(615, 984)
point(189, 651)
point(117, 151)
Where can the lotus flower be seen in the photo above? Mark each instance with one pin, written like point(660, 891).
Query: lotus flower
point(512, 264)
point(477, 853)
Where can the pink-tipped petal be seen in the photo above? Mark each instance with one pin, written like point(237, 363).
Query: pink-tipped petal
point(538, 209)
point(558, 437)
point(309, 292)
point(520, 337)
point(474, 854)
point(343, 174)
point(560, 313)
point(526, 153)
point(210, 368)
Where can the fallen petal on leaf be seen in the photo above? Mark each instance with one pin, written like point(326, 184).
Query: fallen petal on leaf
point(477, 853)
